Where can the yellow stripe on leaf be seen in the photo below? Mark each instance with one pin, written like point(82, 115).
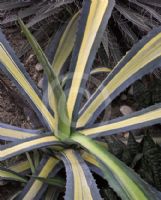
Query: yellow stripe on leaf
point(62, 53)
point(31, 144)
point(20, 166)
point(13, 69)
point(90, 159)
point(66, 44)
point(37, 184)
point(123, 123)
point(100, 70)
point(132, 186)
point(16, 134)
point(7, 174)
point(81, 187)
point(148, 53)
point(95, 16)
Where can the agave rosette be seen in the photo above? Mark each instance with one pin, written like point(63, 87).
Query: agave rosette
point(67, 138)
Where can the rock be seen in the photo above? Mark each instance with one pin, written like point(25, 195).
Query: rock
point(35, 76)
point(39, 67)
point(123, 97)
point(40, 83)
point(29, 59)
point(125, 110)
point(131, 90)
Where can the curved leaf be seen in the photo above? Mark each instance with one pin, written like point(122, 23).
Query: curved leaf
point(11, 65)
point(93, 163)
point(16, 148)
point(93, 21)
point(80, 183)
point(62, 128)
point(58, 52)
point(35, 188)
point(142, 59)
point(10, 175)
point(66, 44)
point(146, 117)
point(100, 70)
point(122, 179)
point(13, 133)
point(20, 167)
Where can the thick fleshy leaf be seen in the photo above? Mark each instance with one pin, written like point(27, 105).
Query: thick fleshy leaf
point(11, 66)
point(142, 59)
point(20, 167)
point(93, 21)
point(56, 181)
point(66, 44)
point(58, 52)
point(10, 175)
point(16, 148)
point(144, 118)
point(100, 70)
point(93, 163)
point(32, 167)
point(35, 188)
point(13, 133)
point(93, 72)
point(80, 183)
point(62, 128)
point(123, 180)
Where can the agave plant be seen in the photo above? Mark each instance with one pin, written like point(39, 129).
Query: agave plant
point(70, 133)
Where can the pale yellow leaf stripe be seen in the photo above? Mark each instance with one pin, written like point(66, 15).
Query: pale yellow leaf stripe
point(11, 176)
point(24, 145)
point(96, 14)
point(20, 166)
point(11, 66)
point(66, 44)
point(100, 70)
point(81, 187)
point(131, 187)
point(62, 53)
point(37, 184)
point(17, 134)
point(148, 53)
point(90, 158)
point(145, 117)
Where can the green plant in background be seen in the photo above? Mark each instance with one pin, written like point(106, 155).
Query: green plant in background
point(70, 134)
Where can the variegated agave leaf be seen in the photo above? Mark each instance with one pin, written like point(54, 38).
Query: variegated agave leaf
point(75, 131)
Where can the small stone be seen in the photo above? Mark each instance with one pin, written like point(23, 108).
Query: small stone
point(123, 97)
point(131, 90)
point(35, 76)
point(126, 135)
point(38, 67)
point(30, 58)
point(40, 83)
point(125, 110)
